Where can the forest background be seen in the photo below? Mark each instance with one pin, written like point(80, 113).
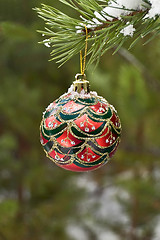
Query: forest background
point(40, 201)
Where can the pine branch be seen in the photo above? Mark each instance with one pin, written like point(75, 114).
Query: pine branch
point(66, 35)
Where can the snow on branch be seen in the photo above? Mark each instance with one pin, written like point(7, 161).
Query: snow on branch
point(119, 8)
point(110, 24)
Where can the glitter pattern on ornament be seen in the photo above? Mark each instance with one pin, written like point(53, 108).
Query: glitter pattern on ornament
point(80, 131)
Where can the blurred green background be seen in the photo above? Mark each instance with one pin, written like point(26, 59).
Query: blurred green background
point(40, 201)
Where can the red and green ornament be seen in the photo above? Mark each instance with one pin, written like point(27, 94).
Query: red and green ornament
point(80, 131)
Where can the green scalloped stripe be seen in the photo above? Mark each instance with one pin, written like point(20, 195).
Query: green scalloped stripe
point(47, 113)
point(94, 120)
point(41, 129)
point(55, 131)
point(48, 146)
point(68, 151)
point(91, 134)
point(102, 150)
point(86, 101)
point(117, 131)
point(101, 116)
point(90, 164)
point(67, 117)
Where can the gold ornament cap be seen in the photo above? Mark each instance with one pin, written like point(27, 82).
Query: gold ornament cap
point(81, 83)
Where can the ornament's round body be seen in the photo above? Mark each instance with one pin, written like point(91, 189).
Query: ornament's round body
point(80, 132)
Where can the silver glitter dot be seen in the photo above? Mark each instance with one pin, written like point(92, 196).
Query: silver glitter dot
point(82, 124)
point(87, 129)
point(102, 109)
point(50, 124)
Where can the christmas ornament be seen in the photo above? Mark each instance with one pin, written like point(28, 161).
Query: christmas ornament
point(80, 131)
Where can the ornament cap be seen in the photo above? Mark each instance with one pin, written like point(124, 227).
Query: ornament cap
point(81, 83)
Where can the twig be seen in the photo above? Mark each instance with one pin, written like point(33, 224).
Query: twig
point(106, 24)
point(129, 57)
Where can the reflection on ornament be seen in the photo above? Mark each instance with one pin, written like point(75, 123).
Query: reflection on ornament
point(80, 131)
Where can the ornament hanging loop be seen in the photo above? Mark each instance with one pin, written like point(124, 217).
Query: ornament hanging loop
point(80, 76)
point(81, 84)
point(83, 61)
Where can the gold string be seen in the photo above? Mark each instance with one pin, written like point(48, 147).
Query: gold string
point(83, 62)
